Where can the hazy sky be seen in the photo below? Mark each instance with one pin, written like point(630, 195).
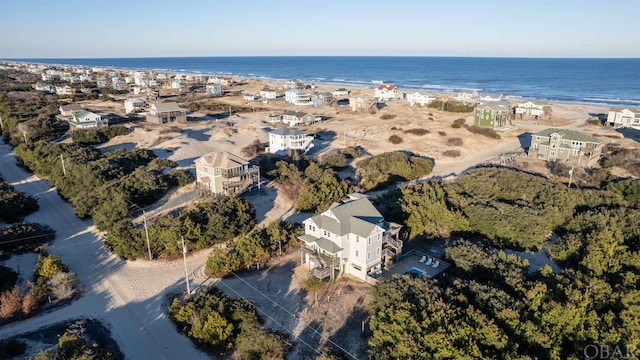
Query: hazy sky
point(135, 28)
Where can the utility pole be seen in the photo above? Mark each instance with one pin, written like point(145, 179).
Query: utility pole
point(186, 271)
point(64, 171)
point(146, 231)
point(570, 176)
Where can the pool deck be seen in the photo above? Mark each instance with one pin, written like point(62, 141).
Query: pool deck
point(413, 260)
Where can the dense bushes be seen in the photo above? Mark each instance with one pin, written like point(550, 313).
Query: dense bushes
point(622, 157)
point(395, 139)
point(207, 223)
point(254, 248)
point(214, 321)
point(490, 306)
point(387, 168)
point(24, 237)
point(417, 131)
point(451, 106)
point(454, 142)
point(14, 204)
point(98, 136)
point(483, 130)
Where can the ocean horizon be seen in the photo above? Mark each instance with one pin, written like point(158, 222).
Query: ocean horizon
point(595, 81)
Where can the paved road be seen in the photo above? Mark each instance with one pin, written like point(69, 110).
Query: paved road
point(127, 296)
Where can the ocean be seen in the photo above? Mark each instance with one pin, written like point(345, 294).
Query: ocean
point(611, 82)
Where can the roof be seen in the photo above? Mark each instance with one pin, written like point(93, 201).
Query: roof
point(635, 111)
point(267, 89)
point(71, 107)
point(164, 107)
point(357, 216)
point(497, 106)
point(287, 131)
point(387, 87)
point(294, 113)
point(82, 114)
point(568, 134)
point(225, 160)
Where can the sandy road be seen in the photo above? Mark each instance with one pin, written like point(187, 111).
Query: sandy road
point(127, 296)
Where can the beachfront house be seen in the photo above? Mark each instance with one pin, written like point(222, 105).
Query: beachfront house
point(268, 94)
point(491, 97)
point(568, 146)
point(467, 97)
point(419, 99)
point(134, 105)
point(349, 238)
point(297, 97)
point(295, 118)
point(624, 118)
point(44, 87)
point(387, 92)
point(225, 173)
point(164, 113)
point(284, 139)
point(361, 103)
point(85, 119)
point(530, 110)
point(492, 114)
point(274, 118)
point(322, 99)
point(213, 89)
point(341, 92)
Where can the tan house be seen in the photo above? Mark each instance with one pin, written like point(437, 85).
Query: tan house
point(225, 173)
point(571, 147)
point(163, 113)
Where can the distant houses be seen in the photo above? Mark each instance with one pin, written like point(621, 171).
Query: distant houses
point(530, 110)
point(65, 90)
point(493, 114)
point(467, 97)
point(164, 113)
point(624, 117)
point(295, 118)
point(214, 89)
point(284, 139)
point(387, 92)
point(341, 92)
point(268, 94)
point(225, 173)
point(417, 98)
point(489, 97)
point(568, 146)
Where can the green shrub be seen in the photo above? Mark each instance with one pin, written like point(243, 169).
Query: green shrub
point(417, 131)
point(395, 139)
point(452, 153)
point(454, 142)
point(387, 116)
point(387, 168)
point(451, 106)
point(483, 130)
point(456, 126)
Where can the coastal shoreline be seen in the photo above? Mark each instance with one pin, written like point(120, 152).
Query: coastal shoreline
point(422, 82)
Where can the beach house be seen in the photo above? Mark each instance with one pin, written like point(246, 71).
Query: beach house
point(134, 105)
point(284, 139)
point(361, 103)
point(491, 114)
point(420, 99)
point(530, 110)
point(491, 97)
point(568, 146)
point(65, 90)
point(163, 113)
point(295, 118)
point(268, 94)
point(213, 89)
point(44, 87)
point(349, 238)
point(297, 97)
point(68, 110)
point(225, 173)
point(624, 118)
point(320, 100)
point(85, 119)
point(387, 92)
point(467, 97)
point(341, 92)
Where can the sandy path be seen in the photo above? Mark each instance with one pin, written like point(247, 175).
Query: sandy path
point(127, 296)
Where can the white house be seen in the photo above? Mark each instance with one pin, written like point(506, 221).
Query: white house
point(85, 119)
point(297, 97)
point(214, 89)
point(295, 118)
point(488, 97)
point(134, 105)
point(177, 84)
point(64, 90)
point(387, 92)
point(624, 118)
point(283, 139)
point(530, 109)
point(267, 93)
point(350, 238)
point(45, 87)
point(250, 97)
point(341, 92)
point(467, 97)
point(420, 99)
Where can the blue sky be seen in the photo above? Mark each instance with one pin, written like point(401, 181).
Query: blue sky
point(135, 28)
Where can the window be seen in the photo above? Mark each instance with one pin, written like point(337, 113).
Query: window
point(356, 267)
point(369, 255)
point(369, 242)
point(378, 251)
point(536, 146)
point(357, 238)
point(357, 254)
point(325, 233)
